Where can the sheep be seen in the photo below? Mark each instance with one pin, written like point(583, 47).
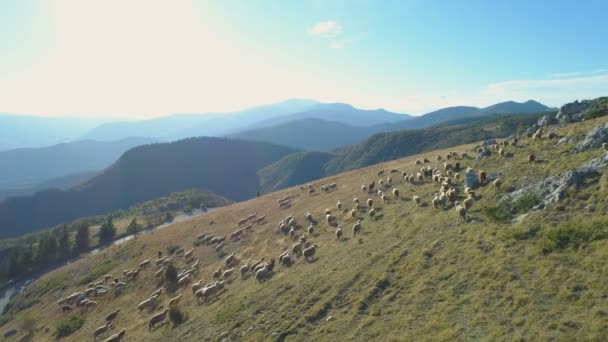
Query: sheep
point(439, 157)
point(292, 233)
point(256, 264)
point(112, 315)
point(188, 254)
point(396, 192)
point(353, 213)
point(501, 152)
point(437, 202)
point(419, 177)
point(285, 259)
point(371, 186)
point(296, 249)
point(158, 318)
point(159, 273)
point(217, 273)
point(308, 217)
point(309, 252)
point(339, 205)
point(483, 176)
point(531, 158)
point(380, 173)
point(416, 200)
point(201, 236)
point(468, 202)
point(457, 176)
point(339, 233)
point(418, 162)
point(363, 188)
point(372, 212)
point(370, 202)
point(90, 304)
point(357, 228)
point(384, 198)
point(497, 184)
point(116, 337)
point(67, 308)
point(230, 260)
point(144, 264)
point(311, 229)
point(208, 291)
point(228, 273)
point(263, 273)
point(327, 211)
point(330, 219)
point(100, 331)
point(157, 292)
point(389, 180)
point(381, 183)
point(175, 300)
point(461, 212)
point(184, 280)
point(146, 303)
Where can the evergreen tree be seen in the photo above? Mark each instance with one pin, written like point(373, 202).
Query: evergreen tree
point(63, 248)
point(82, 238)
point(171, 275)
point(133, 227)
point(107, 232)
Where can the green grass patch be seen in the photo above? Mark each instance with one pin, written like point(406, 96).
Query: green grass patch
point(68, 326)
point(5, 319)
point(97, 272)
point(522, 233)
point(229, 313)
point(574, 235)
point(497, 214)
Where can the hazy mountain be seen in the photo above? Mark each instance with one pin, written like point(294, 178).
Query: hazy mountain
point(308, 134)
point(173, 127)
point(63, 183)
point(27, 167)
point(18, 131)
point(226, 167)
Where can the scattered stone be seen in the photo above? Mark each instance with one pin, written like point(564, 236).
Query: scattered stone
point(471, 180)
point(546, 121)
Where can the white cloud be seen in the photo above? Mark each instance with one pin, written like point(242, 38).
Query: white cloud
point(578, 73)
point(337, 44)
point(326, 29)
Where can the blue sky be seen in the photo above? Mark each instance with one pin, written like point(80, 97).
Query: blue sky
point(143, 58)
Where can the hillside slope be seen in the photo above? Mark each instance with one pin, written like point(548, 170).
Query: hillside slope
point(63, 182)
point(222, 166)
point(26, 167)
point(414, 273)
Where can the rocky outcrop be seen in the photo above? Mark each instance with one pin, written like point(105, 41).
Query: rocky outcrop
point(552, 189)
point(594, 138)
point(574, 111)
point(546, 121)
point(471, 180)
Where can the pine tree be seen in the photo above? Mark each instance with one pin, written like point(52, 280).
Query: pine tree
point(82, 238)
point(107, 232)
point(63, 249)
point(133, 227)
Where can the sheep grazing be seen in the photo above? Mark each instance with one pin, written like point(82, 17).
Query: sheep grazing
point(457, 176)
point(531, 158)
point(483, 176)
point(244, 269)
point(339, 233)
point(384, 198)
point(256, 264)
point(380, 173)
point(468, 202)
point(418, 162)
point(330, 219)
point(396, 192)
point(370, 187)
point(389, 180)
point(292, 233)
point(381, 183)
point(357, 228)
point(285, 259)
point(461, 213)
point(311, 229)
point(228, 273)
point(217, 273)
point(158, 318)
point(339, 205)
point(439, 201)
point(67, 308)
point(159, 273)
point(230, 260)
point(112, 315)
point(263, 273)
point(309, 252)
point(416, 200)
point(327, 211)
point(116, 337)
point(501, 152)
point(100, 331)
point(497, 184)
point(188, 254)
point(370, 202)
point(372, 212)
point(419, 177)
point(148, 303)
point(296, 249)
point(184, 280)
point(439, 157)
point(208, 291)
point(353, 213)
point(175, 300)
point(156, 293)
point(363, 188)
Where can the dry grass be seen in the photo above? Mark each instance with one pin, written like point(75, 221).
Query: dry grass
point(414, 273)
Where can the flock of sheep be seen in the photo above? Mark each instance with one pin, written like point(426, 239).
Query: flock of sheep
point(445, 175)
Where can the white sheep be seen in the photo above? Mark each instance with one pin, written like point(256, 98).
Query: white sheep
point(228, 273)
point(175, 300)
point(461, 212)
point(100, 331)
point(357, 228)
point(116, 337)
point(497, 184)
point(339, 205)
point(468, 202)
point(370, 202)
point(144, 264)
point(311, 229)
point(188, 254)
point(396, 192)
point(184, 280)
point(158, 318)
point(339, 233)
point(353, 214)
point(309, 252)
point(416, 200)
point(384, 198)
point(372, 212)
point(364, 188)
point(419, 177)
point(147, 303)
point(380, 173)
point(112, 316)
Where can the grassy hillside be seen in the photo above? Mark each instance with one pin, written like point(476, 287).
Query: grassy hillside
point(388, 146)
point(226, 167)
point(414, 273)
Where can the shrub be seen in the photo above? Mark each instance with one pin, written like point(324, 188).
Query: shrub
point(176, 316)
point(522, 233)
point(171, 275)
point(171, 249)
point(497, 213)
point(573, 235)
point(68, 326)
point(595, 113)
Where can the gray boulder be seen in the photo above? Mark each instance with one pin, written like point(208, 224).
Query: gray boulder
point(594, 138)
point(546, 121)
point(485, 152)
point(471, 180)
point(488, 142)
point(531, 130)
point(552, 189)
point(573, 112)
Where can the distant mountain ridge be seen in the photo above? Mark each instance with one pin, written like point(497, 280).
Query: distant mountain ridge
point(27, 167)
point(223, 166)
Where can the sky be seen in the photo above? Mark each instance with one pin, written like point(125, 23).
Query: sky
point(145, 58)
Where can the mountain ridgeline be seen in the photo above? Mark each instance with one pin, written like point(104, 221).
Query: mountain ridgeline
point(222, 166)
point(388, 146)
